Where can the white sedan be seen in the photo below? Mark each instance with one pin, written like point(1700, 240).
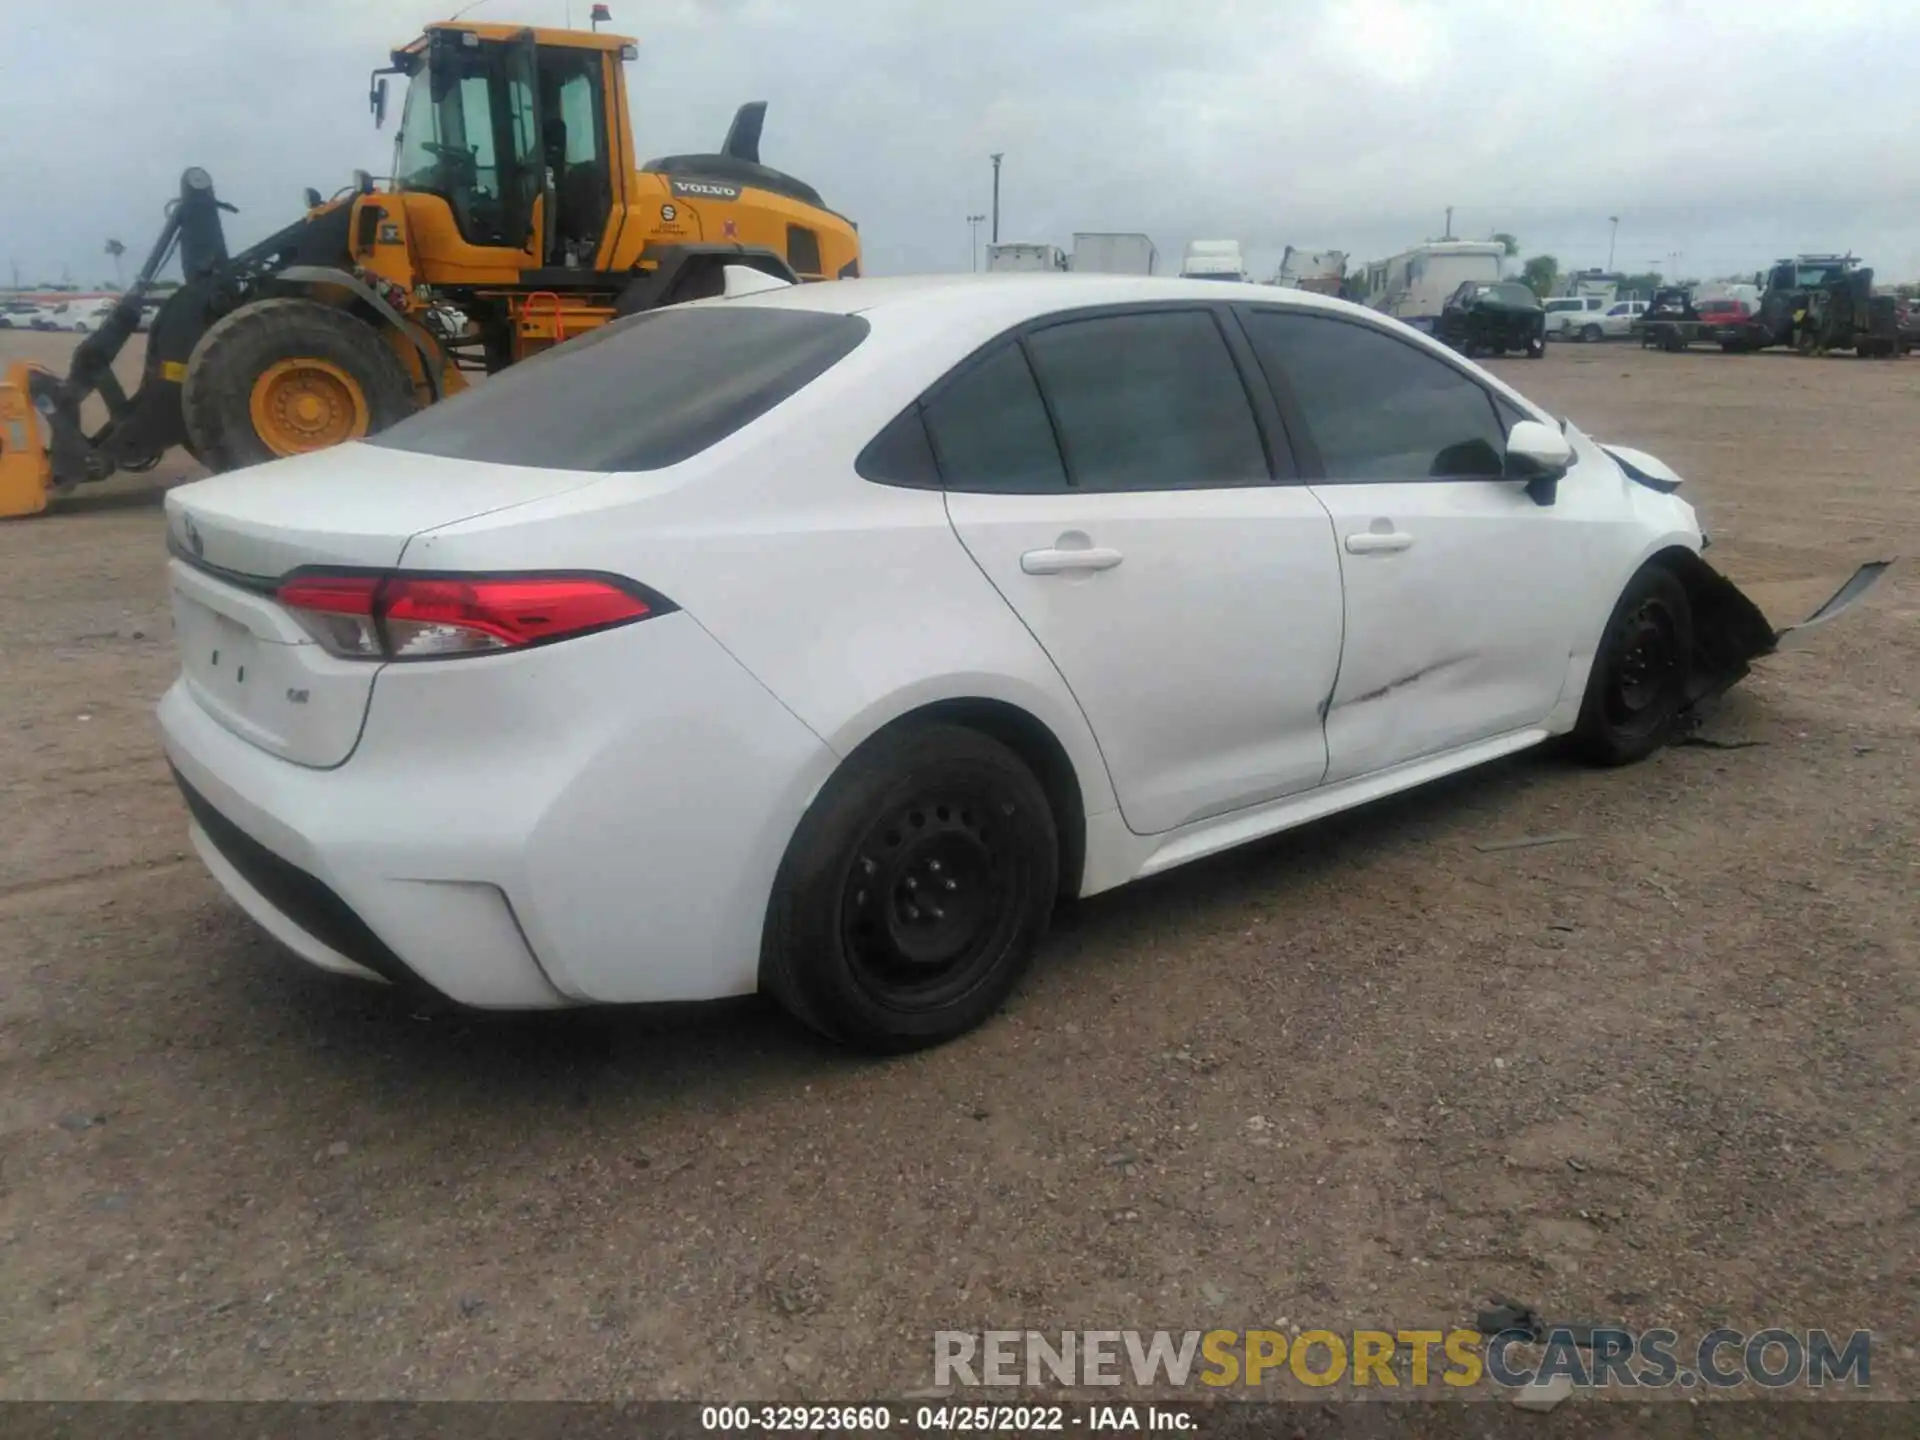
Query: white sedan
point(819, 640)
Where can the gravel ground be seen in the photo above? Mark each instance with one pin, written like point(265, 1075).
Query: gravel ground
point(1362, 1075)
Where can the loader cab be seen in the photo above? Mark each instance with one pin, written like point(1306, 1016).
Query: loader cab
point(515, 130)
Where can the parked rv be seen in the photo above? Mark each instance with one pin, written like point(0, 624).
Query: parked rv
point(1414, 285)
point(1113, 253)
point(1603, 285)
point(1214, 260)
point(1012, 257)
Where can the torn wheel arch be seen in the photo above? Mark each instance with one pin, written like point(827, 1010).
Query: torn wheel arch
point(1730, 631)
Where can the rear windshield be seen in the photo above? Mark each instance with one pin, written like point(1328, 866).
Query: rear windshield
point(637, 394)
point(1516, 295)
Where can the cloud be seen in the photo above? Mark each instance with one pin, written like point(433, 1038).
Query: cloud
point(1726, 132)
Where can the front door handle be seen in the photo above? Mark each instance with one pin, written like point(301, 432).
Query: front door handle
point(1061, 562)
point(1377, 542)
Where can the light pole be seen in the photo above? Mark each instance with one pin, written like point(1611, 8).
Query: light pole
point(973, 241)
point(1449, 234)
point(995, 157)
point(1612, 235)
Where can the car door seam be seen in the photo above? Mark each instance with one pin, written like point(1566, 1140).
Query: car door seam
point(1340, 655)
point(954, 529)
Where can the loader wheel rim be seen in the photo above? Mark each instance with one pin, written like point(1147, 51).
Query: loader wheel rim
point(307, 404)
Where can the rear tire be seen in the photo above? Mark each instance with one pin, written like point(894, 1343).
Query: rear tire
point(310, 375)
point(1638, 685)
point(914, 891)
point(1589, 334)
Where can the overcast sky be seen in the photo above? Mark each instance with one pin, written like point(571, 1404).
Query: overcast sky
point(1731, 133)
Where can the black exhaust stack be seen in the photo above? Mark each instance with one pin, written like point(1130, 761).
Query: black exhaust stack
point(743, 136)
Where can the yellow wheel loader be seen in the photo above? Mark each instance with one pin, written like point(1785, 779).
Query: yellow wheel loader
point(515, 218)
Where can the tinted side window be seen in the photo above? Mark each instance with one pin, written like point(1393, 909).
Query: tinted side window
point(640, 393)
point(1150, 401)
point(990, 430)
point(901, 454)
point(1376, 407)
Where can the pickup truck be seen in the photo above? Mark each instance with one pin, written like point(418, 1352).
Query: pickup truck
point(1566, 313)
point(1616, 322)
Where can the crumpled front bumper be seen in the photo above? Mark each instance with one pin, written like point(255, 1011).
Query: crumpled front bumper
point(1730, 632)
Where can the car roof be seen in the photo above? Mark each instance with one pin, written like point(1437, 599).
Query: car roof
point(962, 310)
point(1008, 298)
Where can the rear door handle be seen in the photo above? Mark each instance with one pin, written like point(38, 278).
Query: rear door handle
point(1061, 562)
point(1375, 542)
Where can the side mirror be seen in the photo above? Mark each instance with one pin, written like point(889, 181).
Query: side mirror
point(377, 99)
point(1539, 455)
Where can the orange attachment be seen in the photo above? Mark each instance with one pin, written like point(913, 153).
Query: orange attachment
point(26, 472)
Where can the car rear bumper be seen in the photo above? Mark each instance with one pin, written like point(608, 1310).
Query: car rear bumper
point(594, 821)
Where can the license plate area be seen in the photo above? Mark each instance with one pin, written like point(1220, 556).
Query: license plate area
point(217, 651)
point(253, 669)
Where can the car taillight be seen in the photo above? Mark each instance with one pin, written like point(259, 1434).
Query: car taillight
point(337, 610)
point(367, 616)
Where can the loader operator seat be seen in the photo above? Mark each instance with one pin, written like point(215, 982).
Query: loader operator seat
point(579, 196)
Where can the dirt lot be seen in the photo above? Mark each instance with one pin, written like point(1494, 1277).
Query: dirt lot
point(1664, 1073)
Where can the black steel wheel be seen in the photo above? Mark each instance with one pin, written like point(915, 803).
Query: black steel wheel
point(1638, 686)
point(914, 890)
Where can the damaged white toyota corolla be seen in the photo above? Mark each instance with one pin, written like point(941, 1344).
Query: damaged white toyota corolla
point(818, 640)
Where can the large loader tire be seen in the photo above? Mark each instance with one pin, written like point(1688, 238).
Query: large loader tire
point(285, 376)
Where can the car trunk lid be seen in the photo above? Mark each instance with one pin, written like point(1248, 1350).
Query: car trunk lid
point(245, 659)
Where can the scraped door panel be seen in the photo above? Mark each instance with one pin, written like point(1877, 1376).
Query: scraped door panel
point(1109, 477)
point(1201, 657)
point(1463, 595)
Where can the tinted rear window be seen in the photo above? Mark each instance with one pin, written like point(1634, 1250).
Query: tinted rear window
point(638, 394)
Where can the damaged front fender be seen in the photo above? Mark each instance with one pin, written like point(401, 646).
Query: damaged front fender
point(1730, 632)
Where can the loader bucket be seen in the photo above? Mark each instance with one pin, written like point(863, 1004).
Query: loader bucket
point(26, 472)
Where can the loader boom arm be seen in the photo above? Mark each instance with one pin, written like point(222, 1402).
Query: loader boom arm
point(46, 447)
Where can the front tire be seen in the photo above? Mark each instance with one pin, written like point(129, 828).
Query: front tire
point(1536, 347)
point(1638, 686)
point(1590, 335)
point(284, 377)
point(914, 891)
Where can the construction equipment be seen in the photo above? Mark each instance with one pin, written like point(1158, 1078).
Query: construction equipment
point(1671, 322)
point(1818, 303)
point(515, 218)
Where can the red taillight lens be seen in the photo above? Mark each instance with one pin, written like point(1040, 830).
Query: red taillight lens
point(460, 617)
point(337, 610)
point(419, 617)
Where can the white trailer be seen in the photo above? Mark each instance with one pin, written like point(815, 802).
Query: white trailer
point(1598, 284)
point(1317, 270)
point(1011, 257)
point(1114, 253)
point(1214, 260)
point(1413, 285)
